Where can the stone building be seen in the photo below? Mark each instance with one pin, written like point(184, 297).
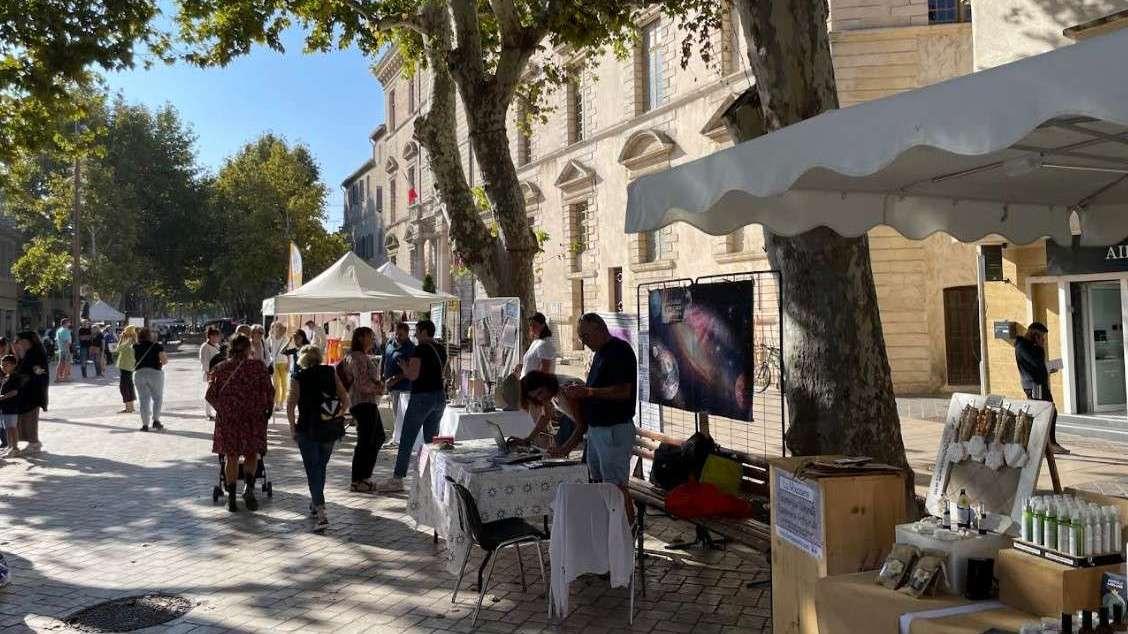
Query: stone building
point(363, 208)
point(624, 118)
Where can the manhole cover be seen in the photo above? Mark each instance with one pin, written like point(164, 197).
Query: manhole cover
point(129, 613)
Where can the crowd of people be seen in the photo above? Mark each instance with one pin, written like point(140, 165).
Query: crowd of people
point(256, 373)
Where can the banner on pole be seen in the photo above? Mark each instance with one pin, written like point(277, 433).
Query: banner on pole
point(294, 272)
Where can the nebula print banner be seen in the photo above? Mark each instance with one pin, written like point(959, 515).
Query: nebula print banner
point(700, 348)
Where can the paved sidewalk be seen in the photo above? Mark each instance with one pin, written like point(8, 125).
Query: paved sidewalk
point(107, 512)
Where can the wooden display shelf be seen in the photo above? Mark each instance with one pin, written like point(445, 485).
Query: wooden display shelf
point(1039, 586)
point(857, 516)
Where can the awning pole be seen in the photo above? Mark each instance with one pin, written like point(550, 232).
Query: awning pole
point(980, 285)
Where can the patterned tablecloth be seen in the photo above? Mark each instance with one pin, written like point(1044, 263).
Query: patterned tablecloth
point(516, 491)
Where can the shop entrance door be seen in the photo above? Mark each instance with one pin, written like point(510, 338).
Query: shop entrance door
point(1105, 346)
point(961, 334)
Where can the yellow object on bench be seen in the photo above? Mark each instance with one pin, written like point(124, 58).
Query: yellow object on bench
point(723, 473)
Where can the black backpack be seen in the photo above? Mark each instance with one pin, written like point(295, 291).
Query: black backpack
point(669, 468)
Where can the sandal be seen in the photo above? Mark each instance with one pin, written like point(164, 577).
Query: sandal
point(364, 486)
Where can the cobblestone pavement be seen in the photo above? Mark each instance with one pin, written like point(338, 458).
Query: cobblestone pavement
point(108, 512)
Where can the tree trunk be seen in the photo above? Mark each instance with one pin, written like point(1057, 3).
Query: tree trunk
point(839, 387)
point(503, 264)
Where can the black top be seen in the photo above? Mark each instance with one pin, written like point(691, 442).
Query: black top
point(11, 384)
point(148, 355)
point(1031, 360)
point(613, 364)
point(84, 336)
point(97, 340)
point(34, 392)
point(432, 358)
point(314, 385)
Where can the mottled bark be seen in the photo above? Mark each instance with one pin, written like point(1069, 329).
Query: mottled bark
point(503, 264)
point(839, 388)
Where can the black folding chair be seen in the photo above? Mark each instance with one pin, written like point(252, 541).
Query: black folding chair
point(492, 537)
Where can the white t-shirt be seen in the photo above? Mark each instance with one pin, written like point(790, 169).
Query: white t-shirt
point(539, 350)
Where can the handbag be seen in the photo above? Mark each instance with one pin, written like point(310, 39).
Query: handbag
point(330, 425)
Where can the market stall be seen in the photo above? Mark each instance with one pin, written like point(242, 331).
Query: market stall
point(1030, 150)
point(101, 311)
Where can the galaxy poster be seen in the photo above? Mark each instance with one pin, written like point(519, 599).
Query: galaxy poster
point(700, 348)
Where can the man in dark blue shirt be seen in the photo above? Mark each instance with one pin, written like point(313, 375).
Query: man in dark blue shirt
point(608, 401)
point(1030, 355)
point(399, 388)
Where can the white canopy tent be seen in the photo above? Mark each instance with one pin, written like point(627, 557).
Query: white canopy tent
point(396, 274)
point(1034, 149)
point(101, 311)
point(351, 285)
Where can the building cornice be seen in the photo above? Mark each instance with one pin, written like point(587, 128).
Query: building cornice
point(639, 121)
point(366, 166)
point(387, 64)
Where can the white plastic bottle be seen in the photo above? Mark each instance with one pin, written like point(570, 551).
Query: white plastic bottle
point(1039, 517)
point(1108, 545)
point(1064, 529)
point(1088, 535)
point(1075, 532)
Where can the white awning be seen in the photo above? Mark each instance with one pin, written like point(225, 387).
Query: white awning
point(351, 285)
point(102, 311)
point(396, 274)
point(1009, 151)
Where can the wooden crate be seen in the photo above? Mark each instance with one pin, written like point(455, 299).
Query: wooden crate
point(1039, 586)
point(858, 515)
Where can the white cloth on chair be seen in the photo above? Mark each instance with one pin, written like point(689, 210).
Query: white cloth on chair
point(590, 535)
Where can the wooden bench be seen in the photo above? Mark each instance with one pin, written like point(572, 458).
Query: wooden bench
point(753, 533)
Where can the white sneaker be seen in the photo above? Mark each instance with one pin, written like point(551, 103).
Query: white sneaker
point(33, 447)
point(321, 521)
point(11, 452)
point(391, 485)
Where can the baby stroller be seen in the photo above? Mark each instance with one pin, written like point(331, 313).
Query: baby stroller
point(260, 474)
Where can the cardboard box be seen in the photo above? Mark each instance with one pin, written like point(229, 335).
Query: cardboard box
point(1039, 586)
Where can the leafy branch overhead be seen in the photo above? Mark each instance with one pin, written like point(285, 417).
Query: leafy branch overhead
point(486, 53)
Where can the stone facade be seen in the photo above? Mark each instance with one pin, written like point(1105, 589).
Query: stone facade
point(628, 117)
point(363, 207)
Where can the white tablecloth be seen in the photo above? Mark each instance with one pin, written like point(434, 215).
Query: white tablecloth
point(515, 491)
point(463, 425)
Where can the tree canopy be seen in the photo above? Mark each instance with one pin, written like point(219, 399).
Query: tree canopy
point(266, 195)
point(478, 51)
point(50, 50)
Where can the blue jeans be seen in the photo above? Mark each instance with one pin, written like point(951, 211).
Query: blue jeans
point(423, 412)
point(315, 458)
point(609, 452)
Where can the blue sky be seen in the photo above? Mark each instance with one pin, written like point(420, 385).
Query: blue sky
point(329, 102)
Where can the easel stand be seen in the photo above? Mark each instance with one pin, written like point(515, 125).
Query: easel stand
point(1051, 462)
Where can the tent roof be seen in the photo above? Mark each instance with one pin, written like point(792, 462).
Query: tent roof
point(396, 274)
point(1010, 151)
point(101, 311)
point(350, 285)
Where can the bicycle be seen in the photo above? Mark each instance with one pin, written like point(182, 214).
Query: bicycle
point(768, 361)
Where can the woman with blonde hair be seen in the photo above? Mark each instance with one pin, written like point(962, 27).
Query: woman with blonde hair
point(127, 362)
point(258, 345)
point(276, 346)
point(315, 407)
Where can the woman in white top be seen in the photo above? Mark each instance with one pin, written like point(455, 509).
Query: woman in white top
point(208, 350)
point(541, 355)
point(275, 344)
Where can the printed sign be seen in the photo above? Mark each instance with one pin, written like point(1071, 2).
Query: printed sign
point(1074, 260)
point(798, 514)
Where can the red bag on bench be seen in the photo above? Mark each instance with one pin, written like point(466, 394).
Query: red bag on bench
point(698, 500)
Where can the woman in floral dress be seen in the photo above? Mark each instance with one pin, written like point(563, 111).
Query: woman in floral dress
point(241, 392)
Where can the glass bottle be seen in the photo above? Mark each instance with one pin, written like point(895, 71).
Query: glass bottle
point(963, 510)
point(1118, 624)
point(1064, 531)
point(1049, 534)
point(1039, 518)
point(1086, 622)
point(1066, 623)
point(946, 516)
